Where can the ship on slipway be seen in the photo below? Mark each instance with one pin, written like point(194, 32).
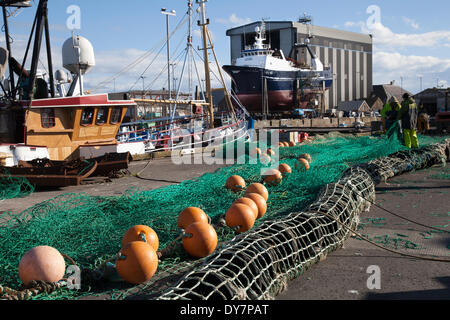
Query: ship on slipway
point(266, 78)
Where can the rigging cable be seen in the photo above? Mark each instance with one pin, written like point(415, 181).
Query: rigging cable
point(179, 25)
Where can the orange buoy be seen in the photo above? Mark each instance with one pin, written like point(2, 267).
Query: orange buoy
point(284, 168)
point(291, 143)
point(200, 240)
point(280, 144)
point(272, 177)
point(260, 203)
point(270, 152)
point(302, 164)
point(255, 152)
point(190, 215)
point(137, 263)
point(240, 215)
point(258, 188)
point(42, 263)
point(141, 233)
point(306, 156)
point(265, 159)
point(235, 183)
point(249, 202)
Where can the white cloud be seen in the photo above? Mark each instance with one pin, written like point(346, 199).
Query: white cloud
point(234, 20)
point(444, 83)
point(410, 22)
point(382, 35)
point(350, 24)
point(412, 63)
point(393, 65)
point(391, 59)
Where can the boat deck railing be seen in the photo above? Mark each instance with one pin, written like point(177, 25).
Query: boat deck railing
point(179, 133)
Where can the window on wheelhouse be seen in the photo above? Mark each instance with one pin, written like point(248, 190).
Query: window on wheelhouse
point(102, 116)
point(87, 116)
point(48, 118)
point(115, 115)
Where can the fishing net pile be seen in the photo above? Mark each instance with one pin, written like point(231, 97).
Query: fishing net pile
point(292, 234)
point(258, 264)
point(13, 187)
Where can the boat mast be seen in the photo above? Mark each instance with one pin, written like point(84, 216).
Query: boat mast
point(8, 47)
point(204, 23)
point(41, 26)
point(189, 45)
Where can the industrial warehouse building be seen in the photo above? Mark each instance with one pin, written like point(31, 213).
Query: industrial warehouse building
point(434, 100)
point(349, 54)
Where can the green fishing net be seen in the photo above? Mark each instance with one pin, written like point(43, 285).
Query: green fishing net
point(13, 187)
point(89, 228)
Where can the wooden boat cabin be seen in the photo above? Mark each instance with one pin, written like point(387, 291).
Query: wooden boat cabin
point(64, 124)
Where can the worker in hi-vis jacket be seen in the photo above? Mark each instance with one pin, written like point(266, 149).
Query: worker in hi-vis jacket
point(389, 113)
point(408, 116)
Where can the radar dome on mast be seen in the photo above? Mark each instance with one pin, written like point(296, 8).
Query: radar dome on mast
point(61, 76)
point(78, 55)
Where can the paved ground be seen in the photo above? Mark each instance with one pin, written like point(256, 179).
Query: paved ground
point(423, 196)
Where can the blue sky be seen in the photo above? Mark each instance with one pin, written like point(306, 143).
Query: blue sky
point(411, 39)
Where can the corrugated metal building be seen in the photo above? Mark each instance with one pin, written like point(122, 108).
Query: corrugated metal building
point(349, 54)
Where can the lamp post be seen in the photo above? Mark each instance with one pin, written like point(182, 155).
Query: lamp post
point(168, 13)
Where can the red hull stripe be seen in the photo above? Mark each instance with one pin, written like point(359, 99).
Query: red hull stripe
point(82, 101)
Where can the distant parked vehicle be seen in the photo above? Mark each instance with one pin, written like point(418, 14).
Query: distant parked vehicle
point(304, 113)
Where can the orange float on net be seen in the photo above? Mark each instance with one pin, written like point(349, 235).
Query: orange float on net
point(302, 164)
point(284, 168)
point(292, 143)
point(280, 144)
point(306, 156)
point(190, 215)
point(258, 188)
point(272, 177)
point(141, 233)
point(235, 183)
point(240, 215)
point(200, 239)
point(265, 159)
point(260, 203)
point(137, 262)
point(249, 202)
point(42, 263)
point(255, 152)
point(270, 152)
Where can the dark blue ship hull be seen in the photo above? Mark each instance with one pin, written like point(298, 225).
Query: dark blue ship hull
point(281, 87)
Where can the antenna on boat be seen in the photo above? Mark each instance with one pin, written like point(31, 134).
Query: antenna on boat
point(27, 80)
point(307, 21)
